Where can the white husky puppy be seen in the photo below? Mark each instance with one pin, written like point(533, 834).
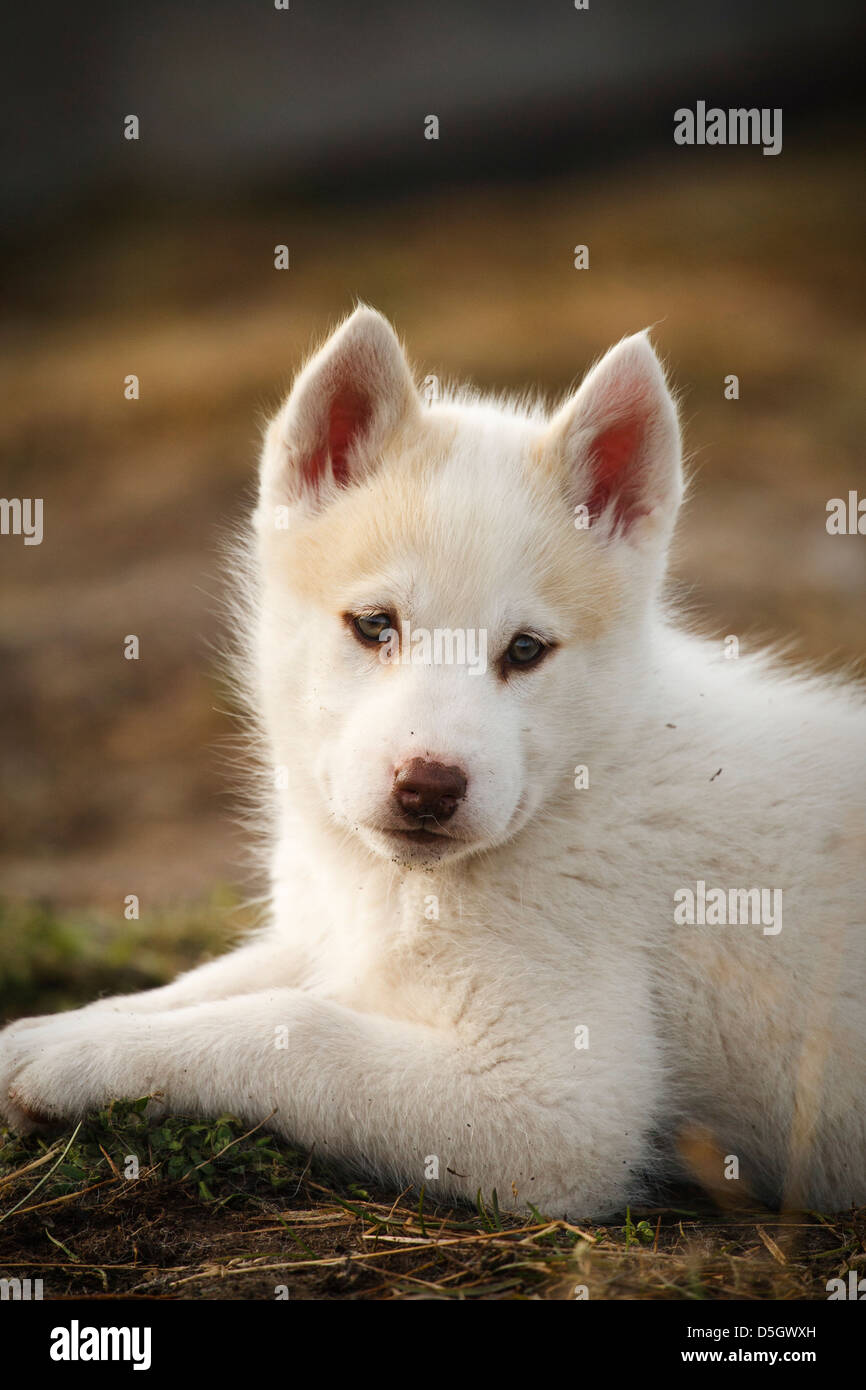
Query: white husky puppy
point(560, 895)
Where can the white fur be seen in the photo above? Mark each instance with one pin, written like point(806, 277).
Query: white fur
point(412, 1036)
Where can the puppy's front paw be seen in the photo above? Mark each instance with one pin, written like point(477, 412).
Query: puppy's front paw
point(17, 1116)
point(64, 1066)
point(22, 1107)
point(44, 1093)
point(9, 1113)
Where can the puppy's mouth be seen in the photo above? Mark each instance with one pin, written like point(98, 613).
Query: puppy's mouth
point(425, 842)
point(427, 837)
point(419, 836)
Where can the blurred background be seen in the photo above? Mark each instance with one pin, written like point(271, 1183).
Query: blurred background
point(305, 127)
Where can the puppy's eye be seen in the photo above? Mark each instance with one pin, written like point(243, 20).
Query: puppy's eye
point(370, 626)
point(525, 650)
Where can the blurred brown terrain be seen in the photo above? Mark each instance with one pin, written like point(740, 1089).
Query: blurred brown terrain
point(113, 771)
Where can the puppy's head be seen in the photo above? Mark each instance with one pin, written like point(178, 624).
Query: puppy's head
point(452, 594)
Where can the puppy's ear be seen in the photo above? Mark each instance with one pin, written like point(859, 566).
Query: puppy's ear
point(345, 403)
point(617, 441)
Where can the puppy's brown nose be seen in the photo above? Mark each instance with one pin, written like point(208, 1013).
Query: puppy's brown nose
point(429, 790)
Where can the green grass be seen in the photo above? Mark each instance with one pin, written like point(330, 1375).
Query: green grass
point(216, 1160)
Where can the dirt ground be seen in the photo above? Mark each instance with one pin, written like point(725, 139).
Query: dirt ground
point(216, 1214)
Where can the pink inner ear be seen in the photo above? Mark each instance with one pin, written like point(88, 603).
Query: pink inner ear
point(616, 473)
point(349, 416)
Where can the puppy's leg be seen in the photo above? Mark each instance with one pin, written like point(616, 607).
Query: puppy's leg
point(389, 1097)
point(251, 968)
point(255, 966)
point(262, 964)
